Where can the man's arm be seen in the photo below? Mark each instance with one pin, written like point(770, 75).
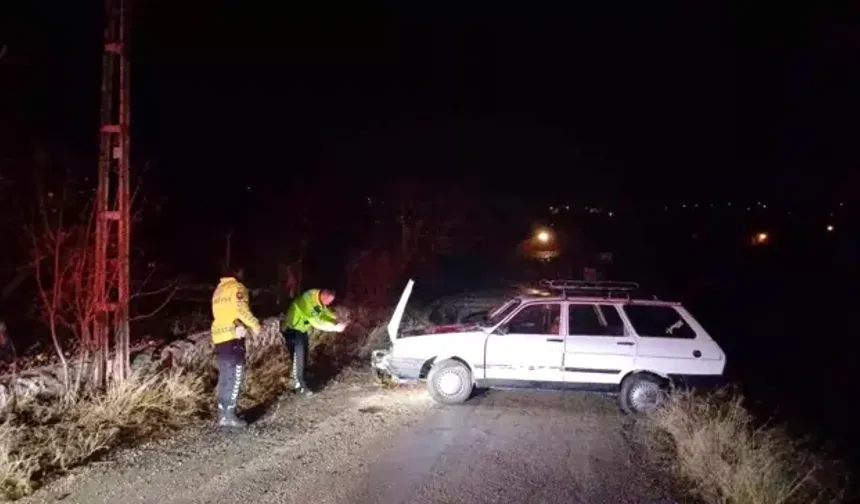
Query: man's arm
point(243, 312)
point(324, 319)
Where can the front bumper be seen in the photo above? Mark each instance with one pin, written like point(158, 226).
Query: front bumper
point(402, 371)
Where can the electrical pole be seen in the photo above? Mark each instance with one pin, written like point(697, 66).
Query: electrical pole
point(113, 223)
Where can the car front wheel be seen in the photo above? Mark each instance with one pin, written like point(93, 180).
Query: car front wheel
point(450, 382)
point(641, 393)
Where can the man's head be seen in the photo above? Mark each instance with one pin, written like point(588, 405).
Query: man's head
point(326, 297)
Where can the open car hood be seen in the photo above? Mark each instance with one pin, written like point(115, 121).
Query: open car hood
point(397, 316)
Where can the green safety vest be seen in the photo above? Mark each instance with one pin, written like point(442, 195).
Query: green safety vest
point(306, 311)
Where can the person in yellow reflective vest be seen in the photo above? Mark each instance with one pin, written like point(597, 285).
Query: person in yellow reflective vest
point(310, 309)
point(232, 322)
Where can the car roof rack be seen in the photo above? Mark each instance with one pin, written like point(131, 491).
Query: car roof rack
point(605, 289)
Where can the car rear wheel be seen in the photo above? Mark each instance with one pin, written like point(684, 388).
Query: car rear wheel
point(450, 382)
point(641, 393)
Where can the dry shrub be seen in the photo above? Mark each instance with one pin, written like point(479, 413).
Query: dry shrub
point(269, 368)
point(727, 458)
point(39, 438)
point(16, 469)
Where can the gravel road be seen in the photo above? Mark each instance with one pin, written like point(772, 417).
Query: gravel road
point(357, 443)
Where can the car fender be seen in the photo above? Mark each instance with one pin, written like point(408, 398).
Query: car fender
point(646, 371)
point(454, 356)
point(467, 347)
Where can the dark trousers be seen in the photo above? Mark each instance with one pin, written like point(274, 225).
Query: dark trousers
point(297, 344)
point(231, 372)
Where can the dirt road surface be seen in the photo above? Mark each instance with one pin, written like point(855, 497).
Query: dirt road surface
point(357, 443)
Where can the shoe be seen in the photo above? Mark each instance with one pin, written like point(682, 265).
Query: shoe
point(227, 418)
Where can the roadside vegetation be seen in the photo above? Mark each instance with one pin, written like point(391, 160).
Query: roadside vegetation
point(42, 437)
point(726, 456)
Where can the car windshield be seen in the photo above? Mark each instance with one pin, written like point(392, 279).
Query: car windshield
point(499, 313)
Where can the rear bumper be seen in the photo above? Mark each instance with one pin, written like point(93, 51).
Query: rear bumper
point(399, 370)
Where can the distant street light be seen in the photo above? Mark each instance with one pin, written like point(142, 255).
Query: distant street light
point(830, 227)
point(544, 244)
point(760, 238)
point(543, 236)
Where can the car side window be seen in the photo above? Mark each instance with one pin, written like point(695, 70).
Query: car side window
point(658, 322)
point(535, 319)
point(594, 320)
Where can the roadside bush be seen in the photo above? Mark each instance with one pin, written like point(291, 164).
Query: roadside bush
point(727, 458)
point(37, 438)
point(269, 370)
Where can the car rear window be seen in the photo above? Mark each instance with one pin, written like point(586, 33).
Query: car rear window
point(651, 321)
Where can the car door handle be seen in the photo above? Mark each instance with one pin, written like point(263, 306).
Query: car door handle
point(625, 343)
point(555, 340)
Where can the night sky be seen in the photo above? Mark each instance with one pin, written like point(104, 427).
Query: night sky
point(691, 100)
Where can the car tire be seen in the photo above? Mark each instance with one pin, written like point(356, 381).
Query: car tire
point(641, 393)
point(450, 382)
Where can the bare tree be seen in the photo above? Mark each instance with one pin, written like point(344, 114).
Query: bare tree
point(63, 262)
point(50, 239)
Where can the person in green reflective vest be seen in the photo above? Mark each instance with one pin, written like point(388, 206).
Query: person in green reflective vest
point(310, 309)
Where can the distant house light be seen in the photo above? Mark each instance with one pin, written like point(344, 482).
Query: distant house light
point(760, 238)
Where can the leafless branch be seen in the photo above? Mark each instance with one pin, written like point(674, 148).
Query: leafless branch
point(160, 307)
point(172, 288)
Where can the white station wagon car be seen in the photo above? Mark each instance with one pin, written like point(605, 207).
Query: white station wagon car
point(570, 334)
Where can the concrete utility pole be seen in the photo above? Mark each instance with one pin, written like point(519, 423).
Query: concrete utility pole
point(113, 222)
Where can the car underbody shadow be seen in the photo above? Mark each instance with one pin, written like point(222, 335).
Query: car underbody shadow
point(478, 394)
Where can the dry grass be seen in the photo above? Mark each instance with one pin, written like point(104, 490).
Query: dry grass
point(41, 438)
point(720, 450)
point(269, 369)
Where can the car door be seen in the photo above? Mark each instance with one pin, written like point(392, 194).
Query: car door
point(528, 346)
point(598, 348)
point(671, 341)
